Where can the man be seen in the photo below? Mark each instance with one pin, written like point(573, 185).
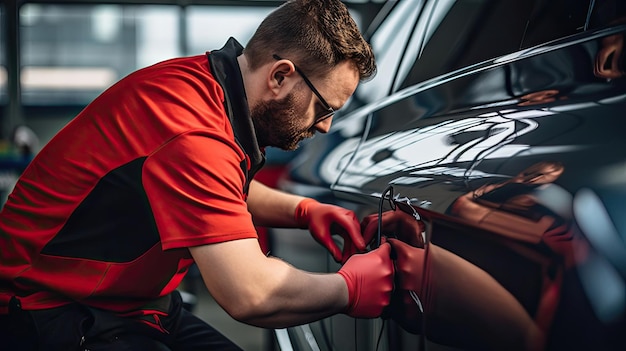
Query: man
point(156, 174)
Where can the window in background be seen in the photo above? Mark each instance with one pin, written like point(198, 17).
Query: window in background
point(71, 53)
point(208, 28)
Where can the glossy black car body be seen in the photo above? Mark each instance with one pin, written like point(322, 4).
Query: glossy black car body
point(517, 166)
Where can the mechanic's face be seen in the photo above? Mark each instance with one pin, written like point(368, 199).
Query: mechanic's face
point(279, 123)
point(285, 122)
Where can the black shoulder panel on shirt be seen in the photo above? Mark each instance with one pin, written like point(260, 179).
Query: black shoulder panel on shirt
point(113, 224)
point(225, 68)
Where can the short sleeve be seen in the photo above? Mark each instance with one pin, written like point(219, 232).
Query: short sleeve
point(194, 185)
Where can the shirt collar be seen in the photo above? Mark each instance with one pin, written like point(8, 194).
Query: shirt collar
point(225, 68)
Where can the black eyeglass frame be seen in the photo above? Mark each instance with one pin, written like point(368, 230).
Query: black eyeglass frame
point(329, 112)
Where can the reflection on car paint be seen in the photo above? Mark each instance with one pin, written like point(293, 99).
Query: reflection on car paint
point(446, 143)
point(608, 60)
point(460, 302)
point(518, 207)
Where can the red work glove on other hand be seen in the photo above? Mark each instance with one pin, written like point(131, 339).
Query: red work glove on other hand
point(397, 224)
point(369, 278)
point(409, 278)
point(324, 220)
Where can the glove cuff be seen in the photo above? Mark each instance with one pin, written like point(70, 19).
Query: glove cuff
point(352, 294)
point(301, 215)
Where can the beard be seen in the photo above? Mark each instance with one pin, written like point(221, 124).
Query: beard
point(276, 124)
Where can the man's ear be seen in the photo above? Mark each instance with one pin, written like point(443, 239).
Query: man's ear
point(279, 72)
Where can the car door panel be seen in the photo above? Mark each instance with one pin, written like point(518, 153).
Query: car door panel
point(499, 177)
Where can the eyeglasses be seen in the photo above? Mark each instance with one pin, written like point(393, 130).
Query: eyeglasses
point(329, 111)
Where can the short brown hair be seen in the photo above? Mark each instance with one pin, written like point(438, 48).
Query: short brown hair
point(316, 34)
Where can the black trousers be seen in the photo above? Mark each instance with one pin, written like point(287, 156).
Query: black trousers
point(78, 327)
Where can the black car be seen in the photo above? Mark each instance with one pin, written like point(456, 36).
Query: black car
point(499, 128)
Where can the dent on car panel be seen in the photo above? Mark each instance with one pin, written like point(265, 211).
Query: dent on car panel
point(518, 169)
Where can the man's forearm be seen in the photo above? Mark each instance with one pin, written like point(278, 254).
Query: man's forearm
point(270, 207)
point(266, 291)
point(300, 298)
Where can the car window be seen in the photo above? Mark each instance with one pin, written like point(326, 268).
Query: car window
point(450, 34)
point(433, 14)
point(462, 33)
point(559, 18)
point(555, 19)
point(389, 42)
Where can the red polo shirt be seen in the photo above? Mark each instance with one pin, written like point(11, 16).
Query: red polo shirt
point(104, 213)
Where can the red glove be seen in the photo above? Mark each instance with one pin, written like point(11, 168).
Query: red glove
point(395, 224)
point(324, 220)
point(404, 309)
point(369, 278)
